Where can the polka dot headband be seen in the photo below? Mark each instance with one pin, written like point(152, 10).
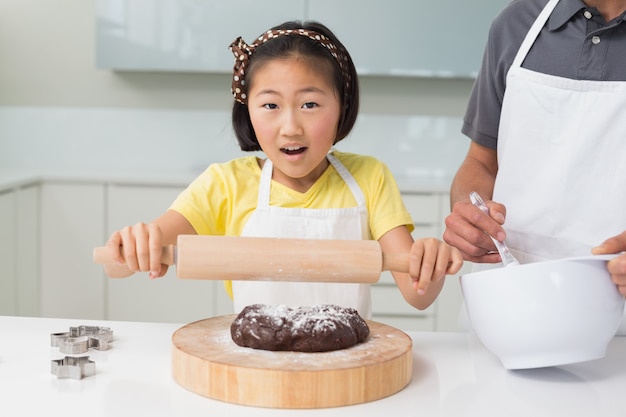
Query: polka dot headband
point(243, 52)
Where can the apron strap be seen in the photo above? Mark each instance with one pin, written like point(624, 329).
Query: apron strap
point(349, 180)
point(532, 34)
point(265, 184)
point(266, 180)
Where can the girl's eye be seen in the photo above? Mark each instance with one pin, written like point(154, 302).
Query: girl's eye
point(309, 105)
point(270, 106)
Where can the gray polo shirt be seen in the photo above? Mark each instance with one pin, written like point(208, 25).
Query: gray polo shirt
point(575, 43)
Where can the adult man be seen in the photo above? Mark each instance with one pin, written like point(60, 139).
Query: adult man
point(546, 118)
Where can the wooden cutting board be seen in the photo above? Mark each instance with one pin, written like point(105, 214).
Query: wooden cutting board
point(206, 361)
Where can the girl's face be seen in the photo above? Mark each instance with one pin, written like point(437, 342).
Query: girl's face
point(295, 112)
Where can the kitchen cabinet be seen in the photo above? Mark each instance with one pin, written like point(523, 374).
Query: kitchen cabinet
point(450, 301)
point(392, 37)
point(411, 38)
point(388, 305)
point(428, 210)
point(167, 299)
point(188, 36)
point(27, 250)
point(8, 232)
point(19, 251)
point(75, 218)
point(50, 227)
point(72, 286)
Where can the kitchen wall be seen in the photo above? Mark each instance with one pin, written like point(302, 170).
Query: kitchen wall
point(57, 111)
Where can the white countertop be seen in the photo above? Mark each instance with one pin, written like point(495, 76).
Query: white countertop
point(453, 375)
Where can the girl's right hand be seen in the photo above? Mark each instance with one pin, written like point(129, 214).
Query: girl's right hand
point(138, 248)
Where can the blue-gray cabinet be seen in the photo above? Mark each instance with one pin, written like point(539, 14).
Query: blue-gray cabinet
point(390, 37)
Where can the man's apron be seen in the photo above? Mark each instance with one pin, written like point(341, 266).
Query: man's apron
point(561, 159)
point(298, 223)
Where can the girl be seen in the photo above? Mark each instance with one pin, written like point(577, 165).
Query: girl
point(296, 95)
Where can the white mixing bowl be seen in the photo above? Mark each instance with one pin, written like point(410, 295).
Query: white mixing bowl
point(545, 313)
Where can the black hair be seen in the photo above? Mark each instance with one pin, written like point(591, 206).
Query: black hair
point(283, 46)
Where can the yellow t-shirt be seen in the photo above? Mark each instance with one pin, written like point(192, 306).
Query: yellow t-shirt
point(222, 198)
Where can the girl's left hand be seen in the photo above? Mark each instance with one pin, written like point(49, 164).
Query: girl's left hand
point(430, 261)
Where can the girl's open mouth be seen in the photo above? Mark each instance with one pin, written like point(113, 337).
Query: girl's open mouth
point(293, 150)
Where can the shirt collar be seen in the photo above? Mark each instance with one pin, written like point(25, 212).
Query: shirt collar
point(564, 11)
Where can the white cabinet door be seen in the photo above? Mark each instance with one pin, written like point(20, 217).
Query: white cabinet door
point(388, 305)
point(28, 250)
point(429, 211)
point(167, 299)
point(71, 226)
point(8, 235)
point(391, 308)
point(450, 301)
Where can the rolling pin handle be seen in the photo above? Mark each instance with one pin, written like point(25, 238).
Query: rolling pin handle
point(398, 262)
point(168, 257)
point(103, 256)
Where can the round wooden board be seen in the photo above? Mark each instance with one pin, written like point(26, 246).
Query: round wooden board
point(206, 361)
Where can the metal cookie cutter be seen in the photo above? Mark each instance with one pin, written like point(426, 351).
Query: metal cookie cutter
point(80, 339)
point(73, 367)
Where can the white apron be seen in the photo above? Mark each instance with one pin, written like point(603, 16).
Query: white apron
point(330, 223)
point(561, 159)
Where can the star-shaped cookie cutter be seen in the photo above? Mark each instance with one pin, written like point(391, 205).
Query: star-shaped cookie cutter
point(73, 367)
point(82, 338)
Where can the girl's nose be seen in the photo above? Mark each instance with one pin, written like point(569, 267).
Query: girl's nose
point(291, 124)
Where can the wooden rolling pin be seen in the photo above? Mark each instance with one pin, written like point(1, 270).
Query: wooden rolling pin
point(278, 259)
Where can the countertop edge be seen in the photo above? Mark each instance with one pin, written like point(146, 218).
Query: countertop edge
point(20, 178)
